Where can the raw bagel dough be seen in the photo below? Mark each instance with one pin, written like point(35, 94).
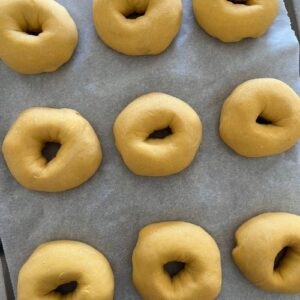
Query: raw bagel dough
point(259, 241)
point(149, 34)
point(35, 35)
point(270, 99)
point(76, 161)
point(156, 156)
point(232, 22)
point(60, 262)
point(161, 243)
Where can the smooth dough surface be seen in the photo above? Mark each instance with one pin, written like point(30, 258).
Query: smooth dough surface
point(148, 156)
point(77, 159)
point(22, 49)
point(259, 241)
point(161, 243)
point(273, 101)
point(148, 34)
point(232, 22)
point(60, 262)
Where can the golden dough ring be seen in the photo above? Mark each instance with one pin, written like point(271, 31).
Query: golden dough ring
point(36, 35)
point(147, 114)
point(76, 161)
point(232, 22)
point(149, 34)
point(258, 243)
point(58, 263)
point(249, 107)
point(161, 243)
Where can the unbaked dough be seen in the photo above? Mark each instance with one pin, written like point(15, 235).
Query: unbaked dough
point(76, 161)
point(261, 117)
point(36, 35)
point(258, 243)
point(149, 34)
point(161, 243)
point(232, 22)
point(61, 262)
point(148, 156)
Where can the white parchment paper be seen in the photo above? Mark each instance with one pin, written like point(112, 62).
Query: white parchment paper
point(219, 191)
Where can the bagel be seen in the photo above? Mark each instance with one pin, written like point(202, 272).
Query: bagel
point(77, 159)
point(234, 20)
point(267, 251)
point(35, 35)
point(161, 243)
point(149, 155)
point(261, 118)
point(149, 34)
point(55, 265)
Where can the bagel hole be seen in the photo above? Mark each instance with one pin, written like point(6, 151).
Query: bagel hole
point(34, 31)
point(66, 288)
point(50, 150)
point(135, 15)
point(244, 2)
point(161, 133)
point(173, 268)
point(280, 257)
point(263, 121)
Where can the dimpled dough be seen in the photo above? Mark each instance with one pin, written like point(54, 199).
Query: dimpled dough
point(60, 262)
point(76, 161)
point(149, 34)
point(232, 22)
point(22, 49)
point(258, 242)
point(152, 156)
point(161, 243)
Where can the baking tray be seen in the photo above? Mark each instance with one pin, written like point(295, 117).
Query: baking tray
point(124, 288)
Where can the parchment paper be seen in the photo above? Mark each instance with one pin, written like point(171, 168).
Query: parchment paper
point(219, 191)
